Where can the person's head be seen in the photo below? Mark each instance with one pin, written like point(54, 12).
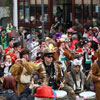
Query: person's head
point(61, 44)
point(24, 54)
point(90, 30)
point(48, 56)
point(9, 83)
point(42, 43)
point(3, 34)
point(21, 29)
point(86, 28)
point(39, 56)
point(56, 19)
point(86, 44)
point(59, 9)
point(17, 46)
point(7, 58)
point(76, 64)
point(11, 41)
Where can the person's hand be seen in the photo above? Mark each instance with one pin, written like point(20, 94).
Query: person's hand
point(72, 92)
point(99, 78)
point(2, 65)
point(61, 49)
point(33, 85)
point(61, 85)
point(23, 60)
point(7, 63)
point(90, 73)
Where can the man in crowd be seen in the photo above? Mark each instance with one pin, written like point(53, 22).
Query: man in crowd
point(22, 70)
point(50, 72)
point(74, 80)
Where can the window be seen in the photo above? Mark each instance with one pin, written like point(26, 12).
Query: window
point(27, 14)
point(78, 13)
point(30, 11)
point(21, 11)
point(87, 12)
point(96, 12)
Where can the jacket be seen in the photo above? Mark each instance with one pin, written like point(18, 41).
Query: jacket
point(9, 94)
point(46, 76)
point(26, 94)
point(16, 70)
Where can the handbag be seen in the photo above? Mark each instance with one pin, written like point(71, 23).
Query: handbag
point(25, 78)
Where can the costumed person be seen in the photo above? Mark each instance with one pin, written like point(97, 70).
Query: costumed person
point(22, 70)
point(74, 80)
point(63, 54)
point(90, 33)
point(95, 73)
point(17, 49)
point(88, 54)
point(96, 31)
point(50, 72)
point(74, 41)
point(7, 64)
point(10, 47)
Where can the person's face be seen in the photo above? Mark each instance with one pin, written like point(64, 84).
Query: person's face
point(77, 68)
point(48, 59)
point(11, 43)
point(62, 45)
point(43, 44)
point(3, 35)
point(26, 56)
point(18, 48)
point(90, 31)
point(56, 19)
point(89, 44)
point(8, 58)
point(85, 30)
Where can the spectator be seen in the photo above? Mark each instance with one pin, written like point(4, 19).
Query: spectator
point(9, 88)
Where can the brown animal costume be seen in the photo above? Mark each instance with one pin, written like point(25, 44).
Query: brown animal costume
point(16, 70)
point(96, 74)
point(66, 55)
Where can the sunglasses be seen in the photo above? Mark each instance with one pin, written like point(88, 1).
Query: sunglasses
point(50, 56)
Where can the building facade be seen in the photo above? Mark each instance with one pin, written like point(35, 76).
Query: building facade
point(71, 12)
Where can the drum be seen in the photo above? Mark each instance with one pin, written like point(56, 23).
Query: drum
point(61, 94)
point(89, 95)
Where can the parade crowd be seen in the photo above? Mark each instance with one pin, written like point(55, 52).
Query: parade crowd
point(34, 64)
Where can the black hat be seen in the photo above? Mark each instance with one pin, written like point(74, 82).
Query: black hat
point(16, 44)
point(39, 55)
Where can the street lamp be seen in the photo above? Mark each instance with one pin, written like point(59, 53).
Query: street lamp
point(42, 4)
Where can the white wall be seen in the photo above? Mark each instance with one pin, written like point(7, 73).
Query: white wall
point(15, 14)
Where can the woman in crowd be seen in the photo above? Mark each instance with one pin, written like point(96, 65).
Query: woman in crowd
point(8, 89)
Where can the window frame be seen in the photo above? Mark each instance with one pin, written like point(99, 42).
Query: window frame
point(50, 7)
